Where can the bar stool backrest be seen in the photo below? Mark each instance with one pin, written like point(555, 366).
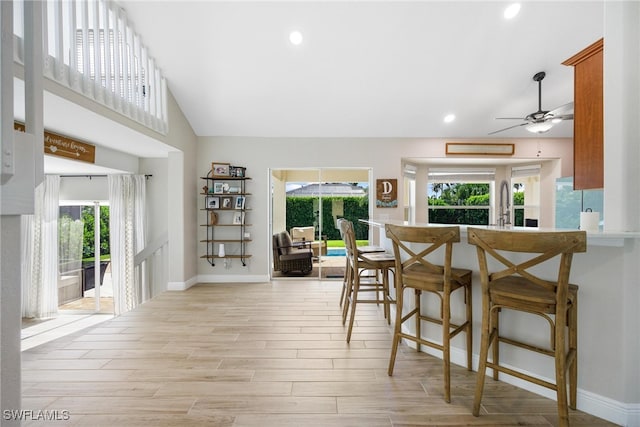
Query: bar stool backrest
point(542, 245)
point(349, 237)
point(433, 237)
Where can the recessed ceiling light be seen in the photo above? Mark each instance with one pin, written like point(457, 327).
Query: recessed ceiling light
point(295, 37)
point(511, 11)
point(449, 118)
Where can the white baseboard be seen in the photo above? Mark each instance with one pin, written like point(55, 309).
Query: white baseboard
point(216, 278)
point(182, 286)
point(233, 278)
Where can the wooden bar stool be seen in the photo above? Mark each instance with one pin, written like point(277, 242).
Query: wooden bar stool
point(361, 282)
point(411, 246)
point(517, 287)
point(361, 250)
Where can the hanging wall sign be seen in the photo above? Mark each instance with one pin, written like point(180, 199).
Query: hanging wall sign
point(387, 193)
point(62, 146)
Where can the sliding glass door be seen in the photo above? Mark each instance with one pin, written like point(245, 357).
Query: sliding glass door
point(83, 244)
point(307, 203)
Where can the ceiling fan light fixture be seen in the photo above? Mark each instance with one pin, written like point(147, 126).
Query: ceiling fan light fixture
point(540, 127)
point(556, 120)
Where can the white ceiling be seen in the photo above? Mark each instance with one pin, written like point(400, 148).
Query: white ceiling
point(365, 69)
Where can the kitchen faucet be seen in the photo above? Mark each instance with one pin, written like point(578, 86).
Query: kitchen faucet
point(504, 216)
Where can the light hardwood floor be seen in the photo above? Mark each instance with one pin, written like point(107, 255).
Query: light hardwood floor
point(270, 354)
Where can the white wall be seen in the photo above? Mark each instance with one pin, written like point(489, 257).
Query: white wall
point(156, 189)
point(181, 195)
point(384, 156)
point(622, 121)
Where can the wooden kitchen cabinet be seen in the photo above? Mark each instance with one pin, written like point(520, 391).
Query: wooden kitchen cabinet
point(588, 127)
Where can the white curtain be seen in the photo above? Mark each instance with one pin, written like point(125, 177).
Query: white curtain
point(40, 252)
point(127, 238)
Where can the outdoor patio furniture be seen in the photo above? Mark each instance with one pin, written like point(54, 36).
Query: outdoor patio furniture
point(308, 234)
point(291, 257)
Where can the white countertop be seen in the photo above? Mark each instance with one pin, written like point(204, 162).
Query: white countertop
point(596, 238)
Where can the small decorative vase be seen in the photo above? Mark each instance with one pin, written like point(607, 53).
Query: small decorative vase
point(221, 253)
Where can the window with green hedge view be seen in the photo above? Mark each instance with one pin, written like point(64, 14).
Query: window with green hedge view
point(303, 211)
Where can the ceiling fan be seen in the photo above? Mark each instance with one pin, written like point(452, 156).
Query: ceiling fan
point(541, 121)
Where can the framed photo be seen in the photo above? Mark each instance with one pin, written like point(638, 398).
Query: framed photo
point(218, 187)
point(238, 218)
point(212, 202)
point(237, 171)
point(220, 169)
point(239, 202)
point(226, 203)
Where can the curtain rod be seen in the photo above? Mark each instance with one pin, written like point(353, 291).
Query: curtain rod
point(94, 176)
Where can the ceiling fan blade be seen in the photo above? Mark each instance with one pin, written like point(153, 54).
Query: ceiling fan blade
point(508, 118)
point(562, 110)
point(510, 127)
point(562, 117)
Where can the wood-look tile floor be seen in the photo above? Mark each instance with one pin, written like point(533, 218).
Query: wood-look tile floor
point(269, 354)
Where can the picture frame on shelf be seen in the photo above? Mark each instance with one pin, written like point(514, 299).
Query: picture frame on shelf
point(237, 171)
point(226, 203)
point(240, 202)
point(219, 169)
point(238, 218)
point(212, 202)
point(218, 187)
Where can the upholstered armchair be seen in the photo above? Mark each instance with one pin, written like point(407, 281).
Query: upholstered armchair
point(307, 234)
point(289, 256)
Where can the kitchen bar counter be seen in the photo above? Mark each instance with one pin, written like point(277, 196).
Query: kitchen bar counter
point(597, 238)
point(608, 323)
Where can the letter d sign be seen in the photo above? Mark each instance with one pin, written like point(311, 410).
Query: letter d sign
point(387, 187)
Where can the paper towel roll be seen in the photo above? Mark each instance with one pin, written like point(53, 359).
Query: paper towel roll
point(589, 221)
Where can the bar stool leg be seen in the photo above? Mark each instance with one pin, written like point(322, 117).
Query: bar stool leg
point(418, 295)
point(467, 296)
point(386, 294)
point(561, 377)
point(573, 347)
point(484, 353)
point(347, 295)
point(396, 329)
point(561, 369)
point(495, 329)
point(344, 282)
point(354, 298)
point(446, 349)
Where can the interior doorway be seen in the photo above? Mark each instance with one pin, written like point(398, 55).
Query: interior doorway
point(306, 204)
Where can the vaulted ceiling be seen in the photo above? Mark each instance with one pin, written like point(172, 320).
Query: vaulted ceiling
point(365, 69)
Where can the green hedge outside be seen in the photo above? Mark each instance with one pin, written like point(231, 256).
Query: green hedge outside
point(302, 212)
point(472, 216)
